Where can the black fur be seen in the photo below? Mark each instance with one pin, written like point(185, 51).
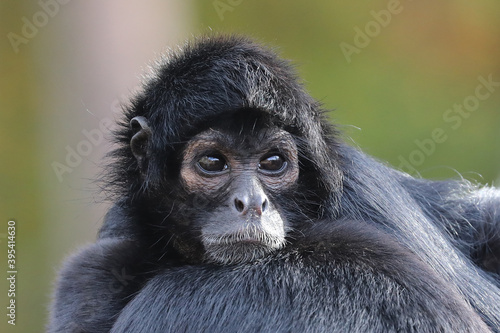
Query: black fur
point(372, 249)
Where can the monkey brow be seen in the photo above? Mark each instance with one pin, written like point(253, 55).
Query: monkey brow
point(260, 139)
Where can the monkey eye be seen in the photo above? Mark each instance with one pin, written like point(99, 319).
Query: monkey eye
point(212, 163)
point(272, 164)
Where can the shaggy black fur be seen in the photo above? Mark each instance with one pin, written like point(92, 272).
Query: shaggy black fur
point(371, 249)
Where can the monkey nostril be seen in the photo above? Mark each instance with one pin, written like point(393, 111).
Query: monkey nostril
point(264, 205)
point(255, 206)
point(240, 206)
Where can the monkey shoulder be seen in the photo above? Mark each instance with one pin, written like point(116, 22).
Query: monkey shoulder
point(93, 285)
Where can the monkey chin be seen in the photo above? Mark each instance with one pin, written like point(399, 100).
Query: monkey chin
point(237, 249)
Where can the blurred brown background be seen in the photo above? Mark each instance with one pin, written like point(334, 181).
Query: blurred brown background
point(415, 83)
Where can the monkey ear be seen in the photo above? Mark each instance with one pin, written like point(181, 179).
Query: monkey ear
point(139, 142)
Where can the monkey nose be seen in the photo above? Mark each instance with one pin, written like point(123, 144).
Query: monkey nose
point(256, 204)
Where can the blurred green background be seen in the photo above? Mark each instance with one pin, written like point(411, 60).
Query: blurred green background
point(394, 73)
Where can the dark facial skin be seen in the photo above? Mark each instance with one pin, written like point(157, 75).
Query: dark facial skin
point(244, 171)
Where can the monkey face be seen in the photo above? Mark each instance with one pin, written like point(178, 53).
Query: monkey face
point(241, 169)
point(241, 174)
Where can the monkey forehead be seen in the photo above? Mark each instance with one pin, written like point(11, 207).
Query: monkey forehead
point(215, 74)
point(257, 141)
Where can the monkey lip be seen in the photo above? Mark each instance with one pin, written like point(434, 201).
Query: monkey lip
point(256, 239)
point(234, 239)
point(250, 240)
point(240, 247)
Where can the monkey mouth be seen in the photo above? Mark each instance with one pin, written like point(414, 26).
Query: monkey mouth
point(240, 247)
point(250, 240)
point(245, 238)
